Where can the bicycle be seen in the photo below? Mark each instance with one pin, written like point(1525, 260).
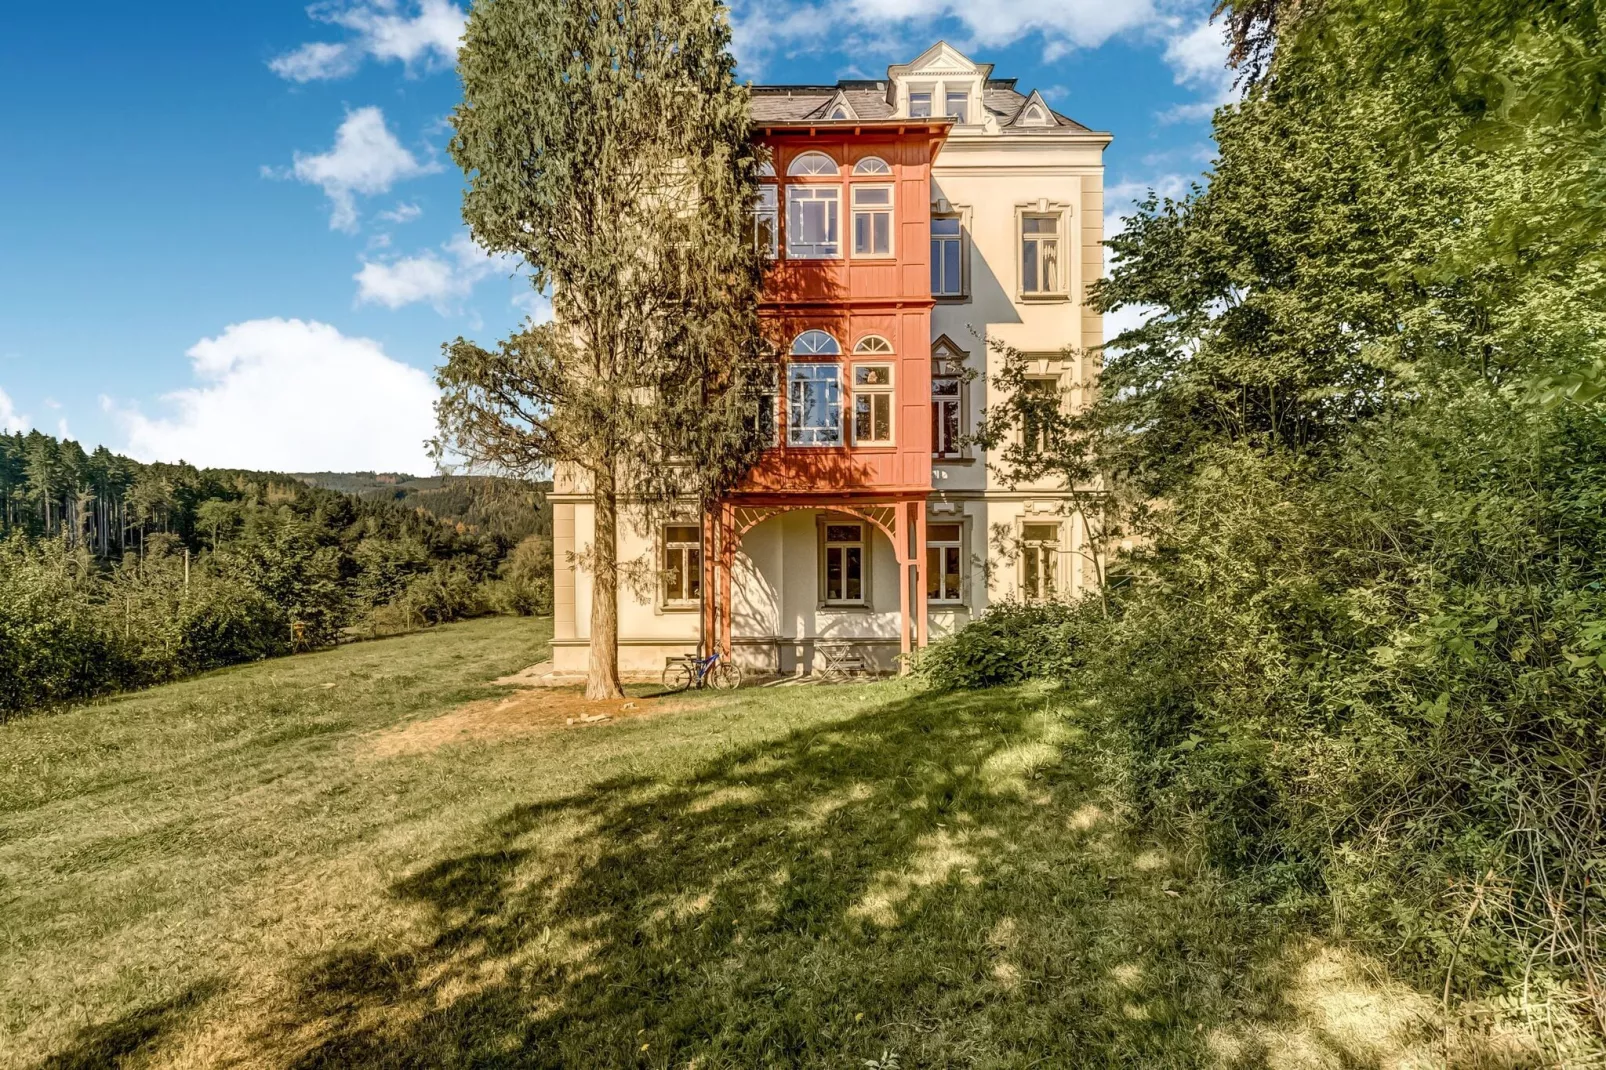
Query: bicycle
point(684, 673)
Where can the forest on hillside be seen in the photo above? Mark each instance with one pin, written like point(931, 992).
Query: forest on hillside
point(115, 573)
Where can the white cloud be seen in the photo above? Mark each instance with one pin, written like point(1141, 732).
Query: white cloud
point(10, 419)
point(366, 159)
point(1198, 61)
point(428, 37)
point(316, 60)
point(402, 213)
point(291, 396)
point(764, 27)
point(537, 306)
point(441, 280)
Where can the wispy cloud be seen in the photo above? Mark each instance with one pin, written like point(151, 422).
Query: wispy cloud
point(426, 39)
point(366, 159)
point(442, 279)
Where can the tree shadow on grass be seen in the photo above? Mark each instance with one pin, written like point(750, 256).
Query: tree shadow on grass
point(935, 878)
point(136, 1034)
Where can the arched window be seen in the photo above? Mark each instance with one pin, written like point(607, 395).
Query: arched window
point(872, 165)
point(874, 344)
point(766, 169)
point(812, 163)
point(815, 344)
point(839, 112)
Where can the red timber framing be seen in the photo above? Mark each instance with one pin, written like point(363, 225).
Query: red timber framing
point(876, 305)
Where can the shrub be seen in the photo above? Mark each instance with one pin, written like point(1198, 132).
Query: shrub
point(1011, 642)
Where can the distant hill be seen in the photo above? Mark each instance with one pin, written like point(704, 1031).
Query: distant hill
point(508, 508)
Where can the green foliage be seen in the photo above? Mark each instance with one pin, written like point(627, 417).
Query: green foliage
point(610, 149)
point(526, 579)
point(1010, 643)
point(1360, 654)
point(118, 575)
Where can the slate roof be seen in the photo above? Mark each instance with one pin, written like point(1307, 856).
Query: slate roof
point(804, 103)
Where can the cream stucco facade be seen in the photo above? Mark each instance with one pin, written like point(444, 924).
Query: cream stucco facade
point(1010, 171)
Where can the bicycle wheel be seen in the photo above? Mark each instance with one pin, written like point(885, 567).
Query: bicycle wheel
point(725, 677)
point(677, 676)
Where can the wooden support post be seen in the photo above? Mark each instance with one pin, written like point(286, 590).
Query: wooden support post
point(922, 609)
point(901, 542)
point(727, 561)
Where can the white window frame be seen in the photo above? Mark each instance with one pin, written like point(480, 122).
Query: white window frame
point(800, 377)
point(872, 165)
point(1046, 554)
point(867, 397)
point(930, 93)
point(812, 164)
point(940, 402)
point(862, 544)
point(1039, 259)
point(684, 551)
point(948, 97)
point(816, 343)
point(962, 283)
point(768, 207)
point(870, 211)
point(796, 197)
point(943, 546)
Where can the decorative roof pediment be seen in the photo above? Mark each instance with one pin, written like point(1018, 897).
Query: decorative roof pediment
point(837, 108)
point(1035, 112)
point(938, 60)
point(945, 349)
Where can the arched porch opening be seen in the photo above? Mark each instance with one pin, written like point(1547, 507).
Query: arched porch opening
point(901, 520)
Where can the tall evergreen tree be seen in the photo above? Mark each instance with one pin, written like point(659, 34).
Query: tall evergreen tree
point(608, 145)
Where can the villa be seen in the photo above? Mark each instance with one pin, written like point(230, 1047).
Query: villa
point(909, 219)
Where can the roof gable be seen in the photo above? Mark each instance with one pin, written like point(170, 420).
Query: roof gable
point(1035, 112)
point(940, 59)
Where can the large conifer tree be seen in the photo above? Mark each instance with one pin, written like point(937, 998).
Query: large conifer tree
point(607, 145)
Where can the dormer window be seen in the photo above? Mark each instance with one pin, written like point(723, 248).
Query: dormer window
point(957, 107)
point(839, 112)
point(920, 105)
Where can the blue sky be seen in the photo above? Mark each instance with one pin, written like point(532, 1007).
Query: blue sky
point(229, 232)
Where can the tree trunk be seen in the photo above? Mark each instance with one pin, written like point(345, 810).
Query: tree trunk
point(602, 669)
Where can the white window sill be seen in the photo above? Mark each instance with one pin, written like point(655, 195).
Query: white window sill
point(1044, 298)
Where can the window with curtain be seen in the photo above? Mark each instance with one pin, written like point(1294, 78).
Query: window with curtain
point(682, 564)
point(943, 561)
point(872, 404)
point(945, 416)
point(1040, 254)
point(1039, 560)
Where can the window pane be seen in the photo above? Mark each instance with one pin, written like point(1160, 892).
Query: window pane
point(958, 106)
point(854, 570)
point(833, 575)
point(882, 405)
point(872, 196)
point(950, 266)
point(881, 239)
point(679, 533)
point(1031, 576)
point(936, 269)
point(872, 375)
point(945, 225)
point(919, 105)
point(694, 574)
point(1040, 224)
point(950, 427)
point(1040, 533)
point(945, 386)
point(842, 533)
point(933, 572)
point(1029, 267)
point(861, 232)
point(674, 579)
point(1051, 266)
point(950, 572)
point(861, 418)
point(942, 533)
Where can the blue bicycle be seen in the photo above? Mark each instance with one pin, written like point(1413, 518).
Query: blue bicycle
point(687, 672)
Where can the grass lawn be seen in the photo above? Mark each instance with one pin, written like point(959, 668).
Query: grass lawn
point(367, 857)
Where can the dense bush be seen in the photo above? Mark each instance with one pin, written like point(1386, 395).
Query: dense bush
point(1010, 642)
